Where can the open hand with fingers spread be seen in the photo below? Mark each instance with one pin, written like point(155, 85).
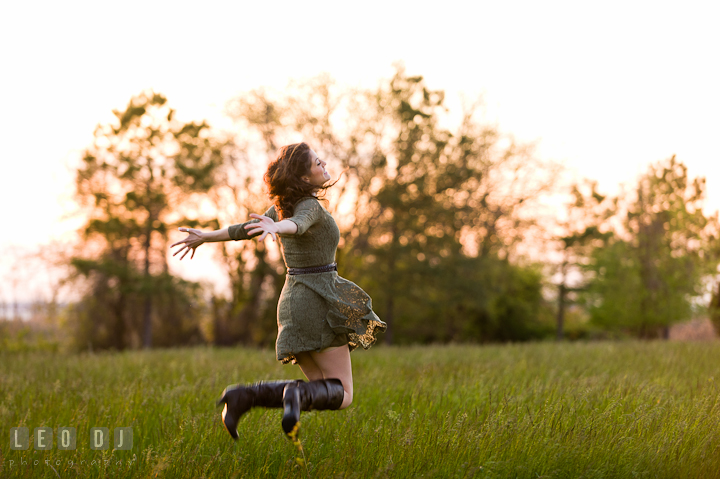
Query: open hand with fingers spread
point(190, 243)
point(265, 225)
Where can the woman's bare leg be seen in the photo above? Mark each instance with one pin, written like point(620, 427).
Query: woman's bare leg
point(330, 364)
point(307, 365)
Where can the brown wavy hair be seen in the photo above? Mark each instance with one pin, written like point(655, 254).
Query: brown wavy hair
point(284, 178)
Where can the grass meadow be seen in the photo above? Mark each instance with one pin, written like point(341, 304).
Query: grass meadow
point(571, 410)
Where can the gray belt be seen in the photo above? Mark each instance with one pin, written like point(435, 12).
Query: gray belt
point(314, 269)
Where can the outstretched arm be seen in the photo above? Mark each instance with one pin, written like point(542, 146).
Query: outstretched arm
point(259, 225)
point(306, 213)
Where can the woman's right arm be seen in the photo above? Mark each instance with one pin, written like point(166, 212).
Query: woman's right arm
point(197, 237)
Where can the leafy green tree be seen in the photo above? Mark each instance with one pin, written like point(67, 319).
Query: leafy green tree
point(648, 275)
point(439, 192)
point(404, 232)
point(714, 279)
point(133, 182)
point(582, 229)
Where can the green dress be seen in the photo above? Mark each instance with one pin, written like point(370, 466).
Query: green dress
point(318, 310)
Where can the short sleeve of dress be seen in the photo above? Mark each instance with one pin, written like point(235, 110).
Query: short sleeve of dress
point(238, 232)
point(307, 212)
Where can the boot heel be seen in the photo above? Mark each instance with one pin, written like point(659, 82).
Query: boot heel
point(240, 399)
point(291, 409)
point(229, 422)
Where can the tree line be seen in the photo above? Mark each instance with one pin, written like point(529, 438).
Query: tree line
point(444, 226)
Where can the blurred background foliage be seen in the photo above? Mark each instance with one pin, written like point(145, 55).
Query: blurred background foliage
point(459, 234)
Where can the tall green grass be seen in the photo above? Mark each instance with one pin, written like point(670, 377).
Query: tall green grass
point(595, 410)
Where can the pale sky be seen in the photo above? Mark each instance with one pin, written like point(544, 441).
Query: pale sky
point(606, 87)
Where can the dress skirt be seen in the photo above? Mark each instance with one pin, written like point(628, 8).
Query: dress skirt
point(322, 310)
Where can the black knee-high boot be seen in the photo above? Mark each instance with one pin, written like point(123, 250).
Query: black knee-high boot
point(302, 396)
point(240, 399)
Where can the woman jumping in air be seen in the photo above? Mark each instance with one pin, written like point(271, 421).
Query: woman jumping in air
point(321, 316)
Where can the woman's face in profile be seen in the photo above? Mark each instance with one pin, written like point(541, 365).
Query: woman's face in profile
point(318, 175)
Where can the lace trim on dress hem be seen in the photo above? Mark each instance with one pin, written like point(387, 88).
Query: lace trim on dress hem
point(368, 339)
